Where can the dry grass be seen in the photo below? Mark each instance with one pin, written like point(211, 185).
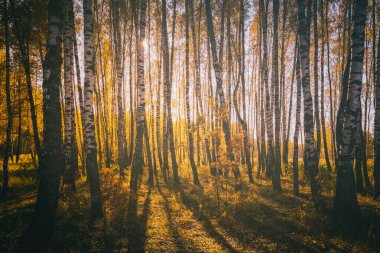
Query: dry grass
point(186, 218)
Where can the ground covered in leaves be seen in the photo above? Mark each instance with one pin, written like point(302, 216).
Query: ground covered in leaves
point(186, 218)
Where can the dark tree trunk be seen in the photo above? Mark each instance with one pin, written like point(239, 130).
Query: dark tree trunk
point(376, 167)
point(297, 126)
point(276, 181)
point(188, 122)
point(137, 161)
point(88, 114)
point(51, 163)
point(346, 207)
point(7, 150)
point(310, 154)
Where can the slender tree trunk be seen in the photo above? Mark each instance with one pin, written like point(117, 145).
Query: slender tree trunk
point(346, 207)
point(19, 130)
point(188, 122)
point(242, 121)
point(89, 119)
point(343, 98)
point(268, 112)
point(285, 129)
point(310, 154)
point(121, 141)
point(23, 41)
point(169, 101)
point(69, 94)
point(165, 63)
point(219, 84)
point(79, 84)
point(376, 167)
point(333, 149)
point(286, 143)
point(137, 161)
point(7, 150)
point(316, 83)
point(276, 181)
point(297, 126)
point(323, 121)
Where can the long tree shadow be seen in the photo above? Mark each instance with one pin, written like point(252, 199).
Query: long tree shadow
point(137, 225)
point(244, 226)
point(173, 230)
point(202, 217)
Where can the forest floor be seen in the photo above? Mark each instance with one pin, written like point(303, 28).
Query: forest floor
point(186, 218)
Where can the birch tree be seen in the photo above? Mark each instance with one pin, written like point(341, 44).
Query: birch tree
point(137, 161)
point(346, 207)
point(310, 152)
point(88, 114)
point(51, 164)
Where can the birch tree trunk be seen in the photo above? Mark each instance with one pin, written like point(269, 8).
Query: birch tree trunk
point(241, 120)
point(51, 163)
point(219, 83)
point(323, 121)
point(316, 83)
point(276, 181)
point(285, 126)
point(346, 207)
point(169, 98)
point(376, 167)
point(121, 133)
point(69, 94)
point(310, 152)
point(297, 127)
point(88, 114)
point(137, 161)
point(268, 113)
point(188, 122)
point(165, 62)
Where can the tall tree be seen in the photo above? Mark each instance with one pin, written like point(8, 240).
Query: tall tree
point(219, 83)
point(23, 37)
point(316, 83)
point(69, 94)
point(297, 126)
point(50, 166)
point(169, 85)
point(277, 168)
point(310, 152)
point(376, 167)
point(188, 122)
point(285, 128)
point(7, 149)
point(346, 207)
point(88, 114)
point(323, 121)
point(241, 120)
point(168, 140)
point(137, 161)
point(121, 141)
point(268, 112)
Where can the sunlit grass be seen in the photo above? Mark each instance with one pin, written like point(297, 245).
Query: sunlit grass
point(186, 218)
